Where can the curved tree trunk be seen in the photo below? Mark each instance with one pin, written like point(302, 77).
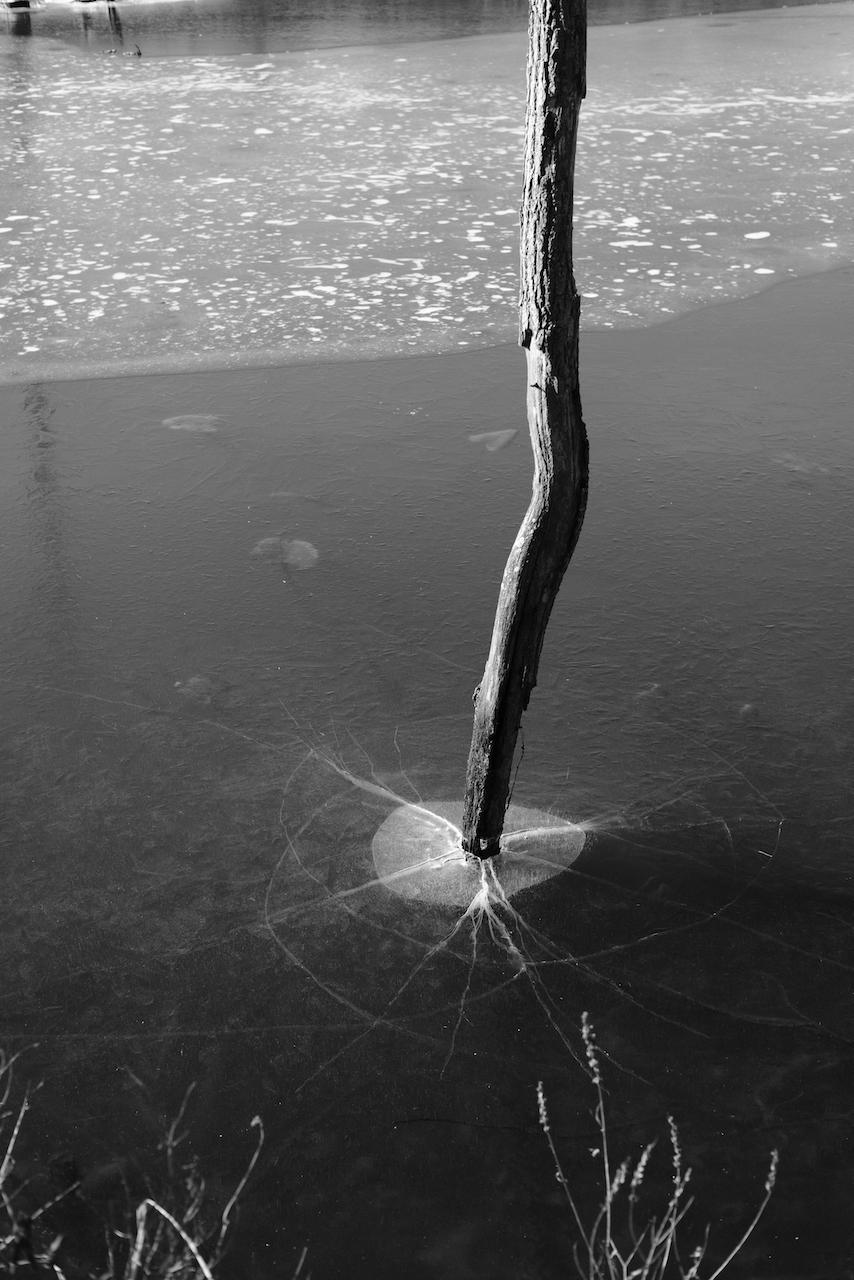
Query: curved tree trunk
point(549, 314)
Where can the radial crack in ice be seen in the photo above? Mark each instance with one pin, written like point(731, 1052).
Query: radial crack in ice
point(538, 846)
point(342, 863)
point(475, 886)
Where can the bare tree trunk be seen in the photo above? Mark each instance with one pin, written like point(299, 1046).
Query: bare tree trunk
point(548, 330)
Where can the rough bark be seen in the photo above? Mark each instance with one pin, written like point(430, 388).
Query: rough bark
point(548, 330)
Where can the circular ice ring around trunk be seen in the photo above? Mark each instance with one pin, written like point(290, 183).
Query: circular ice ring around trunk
point(418, 853)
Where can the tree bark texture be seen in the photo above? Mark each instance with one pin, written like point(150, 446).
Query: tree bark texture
point(548, 330)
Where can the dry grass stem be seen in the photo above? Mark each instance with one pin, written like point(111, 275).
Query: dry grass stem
point(615, 1246)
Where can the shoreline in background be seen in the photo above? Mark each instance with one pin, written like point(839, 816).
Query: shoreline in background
point(176, 29)
point(212, 364)
point(748, 330)
point(246, 230)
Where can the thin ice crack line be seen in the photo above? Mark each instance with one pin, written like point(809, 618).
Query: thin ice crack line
point(671, 854)
point(718, 913)
point(382, 1019)
point(475, 925)
point(169, 712)
point(686, 782)
point(373, 771)
point(531, 967)
point(644, 838)
point(363, 1015)
point(338, 898)
point(403, 772)
point(375, 788)
point(106, 1037)
point(706, 919)
point(733, 768)
point(766, 1020)
point(523, 969)
point(96, 697)
point(302, 908)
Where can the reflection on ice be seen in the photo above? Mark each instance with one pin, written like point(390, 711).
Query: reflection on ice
point(294, 553)
point(245, 223)
point(196, 423)
point(298, 554)
point(198, 688)
point(801, 466)
point(267, 549)
point(492, 441)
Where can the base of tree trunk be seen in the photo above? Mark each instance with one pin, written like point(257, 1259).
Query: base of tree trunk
point(418, 852)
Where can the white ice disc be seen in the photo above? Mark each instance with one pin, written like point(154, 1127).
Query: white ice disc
point(417, 852)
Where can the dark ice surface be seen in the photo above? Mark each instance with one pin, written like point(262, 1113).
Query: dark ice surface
point(188, 887)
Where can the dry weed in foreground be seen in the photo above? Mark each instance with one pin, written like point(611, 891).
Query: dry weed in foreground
point(184, 1242)
point(616, 1246)
point(179, 1244)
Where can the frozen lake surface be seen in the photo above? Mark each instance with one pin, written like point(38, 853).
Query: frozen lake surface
point(185, 211)
point(244, 611)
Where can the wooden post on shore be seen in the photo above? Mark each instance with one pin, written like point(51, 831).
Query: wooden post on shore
point(548, 330)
